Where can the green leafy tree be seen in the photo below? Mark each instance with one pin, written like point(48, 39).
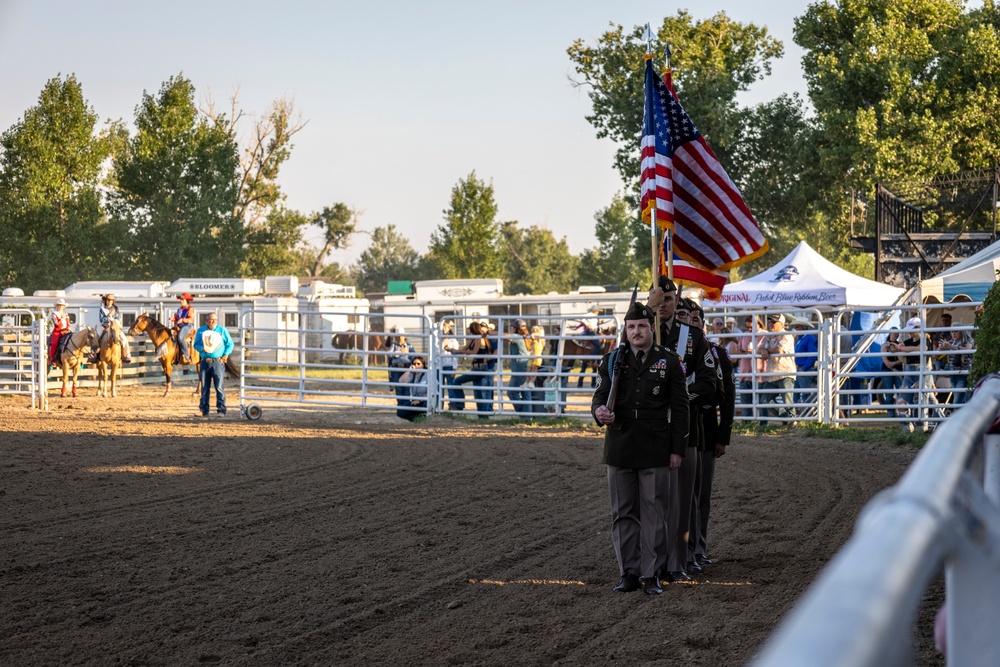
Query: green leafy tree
point(177, 190)
point(987, 357)
point(468, 244)
point(338, 222)
point(53, 228)
point(713, 59)
point(537, 263)
point(902, 90)
point(273, 246)
point(265, 145)
point(388, 257)
point(616, 259)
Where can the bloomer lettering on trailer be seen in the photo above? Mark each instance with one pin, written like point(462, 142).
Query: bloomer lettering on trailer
point(213, 287)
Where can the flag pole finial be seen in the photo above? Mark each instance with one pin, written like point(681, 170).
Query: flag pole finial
point(649, 40)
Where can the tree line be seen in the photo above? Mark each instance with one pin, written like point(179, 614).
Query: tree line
point(901, 90)
point(897, 91)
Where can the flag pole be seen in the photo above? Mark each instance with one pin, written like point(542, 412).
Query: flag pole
point(669, 243)
point(653, 227)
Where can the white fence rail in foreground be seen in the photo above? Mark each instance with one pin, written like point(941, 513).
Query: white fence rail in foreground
point(945, 511)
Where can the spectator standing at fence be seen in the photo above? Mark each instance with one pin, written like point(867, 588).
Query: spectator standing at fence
point(483, 354)
point(400, 354)
point(646, 437)
point(750, 366)
point(184, 320)
point(214, 345)
point(960, 345)
point(940, 337)
point(806, 349)
point(718, 329)
point(518, 357)
point(415, 390)
point(537, 348)
point(717, 426)
point(919, 379)
point(449, 367)
point(59, 321)
point(779, 368)
point(591, 327)
point(892, 363)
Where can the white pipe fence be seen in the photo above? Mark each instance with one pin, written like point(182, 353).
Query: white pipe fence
point(944, 513)
point(837, 379)
point(23, 355)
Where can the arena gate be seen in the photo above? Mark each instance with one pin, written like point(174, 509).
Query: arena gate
point(23, 355)
point(285, 361)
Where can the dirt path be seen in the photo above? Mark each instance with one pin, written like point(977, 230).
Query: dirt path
point(136, 533)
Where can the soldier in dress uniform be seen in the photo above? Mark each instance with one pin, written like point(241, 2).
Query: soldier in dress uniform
point(717, 421)
point(646, 437)
point(702, 379)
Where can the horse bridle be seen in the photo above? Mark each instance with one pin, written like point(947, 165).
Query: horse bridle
point(72, 343)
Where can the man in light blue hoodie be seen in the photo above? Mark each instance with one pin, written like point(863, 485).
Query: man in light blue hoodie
point(214, 345)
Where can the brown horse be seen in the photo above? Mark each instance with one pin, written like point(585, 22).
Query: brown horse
point(345, 342)
point(581, 346)
point(79, 344)
point(168, 352)
point(109, 360)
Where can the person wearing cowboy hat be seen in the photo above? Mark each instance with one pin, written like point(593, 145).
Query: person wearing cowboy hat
point(59, 319)
point(184, 320)
point(778, 352)
point(110, 311)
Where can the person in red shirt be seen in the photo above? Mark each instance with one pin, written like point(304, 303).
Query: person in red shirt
point(59, 319)
point(183, 319)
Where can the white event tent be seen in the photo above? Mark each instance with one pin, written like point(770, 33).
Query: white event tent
point(972, 277)
point(805, 279)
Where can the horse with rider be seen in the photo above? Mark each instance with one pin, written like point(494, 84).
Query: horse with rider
point(110, 317)
point(67, 349)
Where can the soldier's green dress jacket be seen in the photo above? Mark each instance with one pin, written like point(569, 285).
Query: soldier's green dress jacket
point(651, 410)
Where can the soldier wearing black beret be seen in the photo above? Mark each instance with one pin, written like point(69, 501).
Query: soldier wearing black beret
point(717, 427)
point(646, 437)
point(702, 381)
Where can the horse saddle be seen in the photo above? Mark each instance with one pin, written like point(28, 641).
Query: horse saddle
point(63, 344)
point(189, 339)
point(175, 331)
point(116, 336)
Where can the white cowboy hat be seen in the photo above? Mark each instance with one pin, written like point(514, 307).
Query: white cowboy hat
point(60, 302)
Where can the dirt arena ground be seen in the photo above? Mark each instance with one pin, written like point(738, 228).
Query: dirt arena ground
point(137, 533)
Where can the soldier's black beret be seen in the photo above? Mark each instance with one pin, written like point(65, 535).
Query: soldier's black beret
point(639, 312)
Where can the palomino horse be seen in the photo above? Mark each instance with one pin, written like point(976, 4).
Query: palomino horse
point(109, 360)
point(167, 351)
point(79, 344)
point(581, 346)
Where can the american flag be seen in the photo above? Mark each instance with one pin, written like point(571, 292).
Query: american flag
point(689, 273)
point(688, 188)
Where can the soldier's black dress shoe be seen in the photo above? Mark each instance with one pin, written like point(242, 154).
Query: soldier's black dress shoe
point(703, 560)
point(693, 566)
point(629, 583)
point(671, 577)
point(651, 586)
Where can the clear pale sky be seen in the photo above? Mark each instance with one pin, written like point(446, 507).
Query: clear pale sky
point(402, 99)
